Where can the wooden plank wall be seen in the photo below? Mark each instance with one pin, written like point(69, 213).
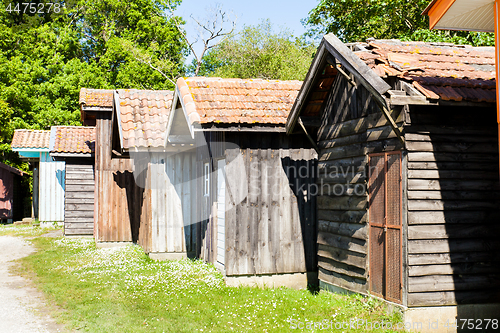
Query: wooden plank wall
point(122, 207)
point(172, 202)
point(270, 217)
point(352, 126)
point(79, 198)
point(453, 206)
point(6, 194)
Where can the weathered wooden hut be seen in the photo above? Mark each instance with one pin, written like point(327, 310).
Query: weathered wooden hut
point(408, 201)
point(12, 193)
point(255, 219)
point(195, 190)
point(48, 174)
point(75, 146)
point(131, 194)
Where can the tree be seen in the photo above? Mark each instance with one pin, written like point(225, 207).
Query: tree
point(259, 52)
point(45, 59)
point(357, 20)
point(211, 31)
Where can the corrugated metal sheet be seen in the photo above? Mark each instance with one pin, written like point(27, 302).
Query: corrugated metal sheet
point(221, 211)
point(51, 189)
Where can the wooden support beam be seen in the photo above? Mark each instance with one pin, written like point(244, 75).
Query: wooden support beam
point(392, 123)
point(308, 136)
point(347, 76)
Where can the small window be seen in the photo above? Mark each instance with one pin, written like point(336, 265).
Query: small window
point(206, 178)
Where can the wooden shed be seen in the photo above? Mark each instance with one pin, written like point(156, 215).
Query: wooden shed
point(48, 174)
point(12, 193)
point(179, 179)
point(255, 220)
point(75, 146)
point(408, 201)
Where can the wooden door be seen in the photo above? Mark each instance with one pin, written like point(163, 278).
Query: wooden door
point(385, 225)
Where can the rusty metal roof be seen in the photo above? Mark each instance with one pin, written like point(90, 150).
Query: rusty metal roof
point(237, 101)
point(73, 139)
point(26, 138)
point(143, 116)
point(438, 70)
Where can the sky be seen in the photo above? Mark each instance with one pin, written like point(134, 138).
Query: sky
point(281, 13)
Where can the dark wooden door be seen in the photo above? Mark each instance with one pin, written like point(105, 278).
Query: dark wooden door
point(385, 225)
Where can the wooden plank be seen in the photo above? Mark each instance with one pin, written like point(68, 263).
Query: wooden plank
point(453, 185)
point(76, 219)
point(356, 216)
point(71, 176)
point(454, 166)
point(451, 157)
point(438, 217)
point(349, 203)
point(451, 298)
point(78, 201)
point(455, 258)
point(453, 245)
point(443, 231)
point(452, 282)
point(78, 225)
point(79, 195)
point(435, 137)
point(452, 174)
point(440, 205)
point(340, 268)
point(343, 256)
point(78, 232)
point(454, 195)
point(483, 147)
point(354, 230)
point(342, 242)
point(343, 281)
point(81, 188)
point(460, 269)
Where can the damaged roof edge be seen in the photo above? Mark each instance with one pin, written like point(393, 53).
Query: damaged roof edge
point(330, 44)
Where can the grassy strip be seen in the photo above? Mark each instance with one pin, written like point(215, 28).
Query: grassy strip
point(25, 230)
point(122, 290)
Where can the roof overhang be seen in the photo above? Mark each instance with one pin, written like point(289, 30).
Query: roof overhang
point(30, 152)
point(332, 46)
point(468, 15)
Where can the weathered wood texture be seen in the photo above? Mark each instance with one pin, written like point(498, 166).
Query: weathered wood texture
point(121, 206)
point(79, 198)
point(270, 218)
point(352, 126)
point(453, 206)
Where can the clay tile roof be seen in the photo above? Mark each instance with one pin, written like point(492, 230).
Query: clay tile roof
point(438, 70)
point(73, 139)
point(24, 138)
point(96, 97)
point(143, 117)
point(217, 100)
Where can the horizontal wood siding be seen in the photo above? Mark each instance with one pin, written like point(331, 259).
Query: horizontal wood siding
point(453, 206)
point(79, 199)
point(352, 126)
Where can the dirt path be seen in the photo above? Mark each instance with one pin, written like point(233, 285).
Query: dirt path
point(22, 307)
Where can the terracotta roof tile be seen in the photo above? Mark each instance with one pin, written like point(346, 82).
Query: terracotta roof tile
point(217, 100)
point(25, 138)
point(438, 70)
point(96, 97)
point(143, 116)
point(73, 139)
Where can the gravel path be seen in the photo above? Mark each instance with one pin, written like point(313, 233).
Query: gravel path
point(22, 307)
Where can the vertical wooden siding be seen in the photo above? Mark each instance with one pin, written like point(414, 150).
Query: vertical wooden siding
point(79, 199)
point(269, 222)
point(453, 206)
point(51, 199)
point(172, 202)
point(351, 127)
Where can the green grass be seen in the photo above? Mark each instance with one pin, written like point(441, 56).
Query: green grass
point(122, 290)
point(24, 230)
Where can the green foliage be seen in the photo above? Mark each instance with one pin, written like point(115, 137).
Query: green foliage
point(259, 52)
point(357, 20)
point(45, 59)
